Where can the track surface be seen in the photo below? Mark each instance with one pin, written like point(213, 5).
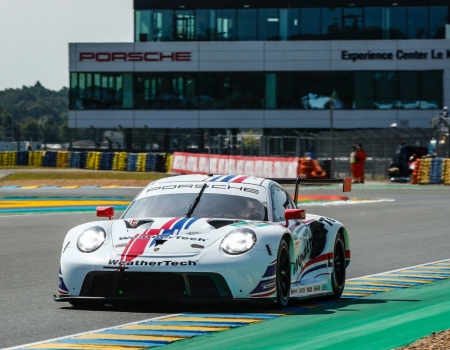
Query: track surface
point(384, 236)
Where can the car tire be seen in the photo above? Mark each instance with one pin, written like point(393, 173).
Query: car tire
point(283, 276)
point(339, 267)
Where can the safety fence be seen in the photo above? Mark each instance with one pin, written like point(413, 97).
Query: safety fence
point(123, 161)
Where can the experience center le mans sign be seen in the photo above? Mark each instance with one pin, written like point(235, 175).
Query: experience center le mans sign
point(399, 55)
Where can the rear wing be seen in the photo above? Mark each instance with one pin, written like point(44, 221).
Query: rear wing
point(301, 180)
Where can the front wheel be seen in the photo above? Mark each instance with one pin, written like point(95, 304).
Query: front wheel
point(283, 276)
point(338, 274)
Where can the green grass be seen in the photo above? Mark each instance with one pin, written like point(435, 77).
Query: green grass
point(81, 175)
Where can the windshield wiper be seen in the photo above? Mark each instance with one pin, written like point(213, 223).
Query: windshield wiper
point(195, 202)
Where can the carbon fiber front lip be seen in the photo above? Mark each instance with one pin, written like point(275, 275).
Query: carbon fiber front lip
point(112, 300)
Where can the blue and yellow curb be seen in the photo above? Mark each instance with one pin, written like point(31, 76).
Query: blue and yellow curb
point(168, 329)
point(22, 205)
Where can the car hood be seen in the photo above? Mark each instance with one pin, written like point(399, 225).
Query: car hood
point(166, 236)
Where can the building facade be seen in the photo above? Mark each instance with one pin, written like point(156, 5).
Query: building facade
point(274, 64)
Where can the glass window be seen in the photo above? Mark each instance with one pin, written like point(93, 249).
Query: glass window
point(373, 22)
point(268, 24)
point(226, 24)
point(143, 29)
point(395, 19)
point(431, 88)
point(163, 25)
point(74, 96)
point(352, 23)
point(408, 90)
point(184, 25)
point(280, 202)
point(211, 205)
point(385, 90)
point(364, 97)
point(319, 90)
point(205, 24)
point(145, 87)
point(438, 20)
point(332, 22)
point(247, 24)
point(310, 23)
point(342, 89)
point(417, 27)
point(289, 24)
point(232, 91)
point(271, 91)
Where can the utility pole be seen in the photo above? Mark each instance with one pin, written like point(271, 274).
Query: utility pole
point(332, 165)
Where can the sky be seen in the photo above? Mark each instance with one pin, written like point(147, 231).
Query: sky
point(34, 36)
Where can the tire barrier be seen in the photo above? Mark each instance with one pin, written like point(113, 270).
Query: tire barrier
point(22, 158)
point(141, 162)
point(36, 158)
point(120, 161)
point(415, 173)
point(424, 172)
point(50, 159)
point(132, 161)
point(436, 171)
point(9, 158)
point(62, 159)
point(446, 172)
point(106, 161)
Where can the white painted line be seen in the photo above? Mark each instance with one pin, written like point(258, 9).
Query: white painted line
point(90, 332)
point(347, 202)
point(403, 268)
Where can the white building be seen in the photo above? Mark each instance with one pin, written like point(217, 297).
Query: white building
point(271, 64)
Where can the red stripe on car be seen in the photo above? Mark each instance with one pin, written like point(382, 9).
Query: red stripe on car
point(136, 246)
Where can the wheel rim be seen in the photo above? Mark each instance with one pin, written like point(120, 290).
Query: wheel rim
point(284, 274)
point(339, 263)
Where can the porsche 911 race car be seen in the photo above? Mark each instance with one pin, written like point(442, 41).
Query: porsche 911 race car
point(206, 238)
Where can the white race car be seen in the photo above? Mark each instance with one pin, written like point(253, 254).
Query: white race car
point(207, 238)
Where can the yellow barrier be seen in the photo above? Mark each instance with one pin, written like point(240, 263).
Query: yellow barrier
point(169, 162)
point(446, 172)
point(141, 162)
point(120, 161)
point(36, 158)
point(62, 159)
point(424, 172)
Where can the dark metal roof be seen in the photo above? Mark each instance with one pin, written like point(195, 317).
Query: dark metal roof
point(232, 4)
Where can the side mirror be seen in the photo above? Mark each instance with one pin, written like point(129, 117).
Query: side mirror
point(292, 214)
point(107, 212)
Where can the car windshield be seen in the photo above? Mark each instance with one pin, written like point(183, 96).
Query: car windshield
point(211, 205)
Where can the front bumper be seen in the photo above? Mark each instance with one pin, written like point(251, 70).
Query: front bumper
point(132, 285)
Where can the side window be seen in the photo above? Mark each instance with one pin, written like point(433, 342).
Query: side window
point(280, 201)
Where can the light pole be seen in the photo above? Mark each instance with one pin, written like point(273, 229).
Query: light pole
point(332, 134)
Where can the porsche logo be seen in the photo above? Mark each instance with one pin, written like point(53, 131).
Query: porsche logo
point(156, 249)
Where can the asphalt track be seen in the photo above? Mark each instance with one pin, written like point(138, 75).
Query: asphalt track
point(411, 230)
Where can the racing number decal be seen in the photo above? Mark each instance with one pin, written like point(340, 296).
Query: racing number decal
point(327, 220)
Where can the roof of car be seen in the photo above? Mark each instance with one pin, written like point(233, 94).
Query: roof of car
point(212, 178)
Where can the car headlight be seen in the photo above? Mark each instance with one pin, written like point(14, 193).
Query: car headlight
point(91, 239)
point(238, 241)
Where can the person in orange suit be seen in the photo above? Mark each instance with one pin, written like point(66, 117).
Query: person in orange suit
point(354, 164)
point(361, 156)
